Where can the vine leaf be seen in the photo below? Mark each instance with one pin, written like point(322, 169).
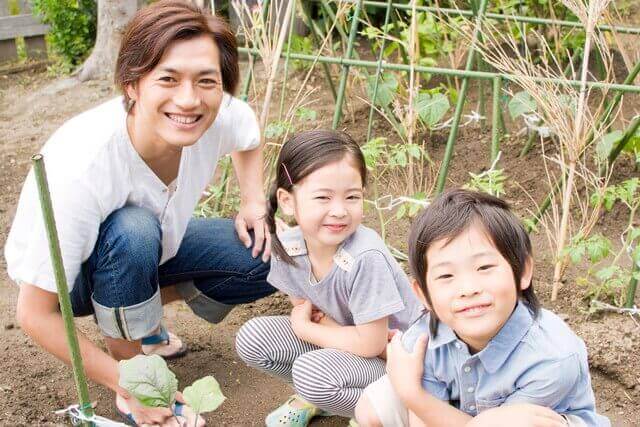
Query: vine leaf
point(204, 395)
point(149, 380)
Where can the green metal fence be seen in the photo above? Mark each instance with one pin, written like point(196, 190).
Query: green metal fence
point(479, 14)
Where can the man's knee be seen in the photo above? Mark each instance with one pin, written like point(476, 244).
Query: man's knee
point(134, 232)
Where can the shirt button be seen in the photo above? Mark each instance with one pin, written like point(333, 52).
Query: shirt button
point(467, 369)
point(472, 408)
point(458, 345)
point(470, 390)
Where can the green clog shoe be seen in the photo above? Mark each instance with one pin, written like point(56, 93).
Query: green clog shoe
point(288, 416)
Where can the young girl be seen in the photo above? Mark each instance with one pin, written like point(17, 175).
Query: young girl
point(491, 348)
point(346, 289)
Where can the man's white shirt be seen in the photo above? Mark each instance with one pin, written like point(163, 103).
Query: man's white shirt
point(93, 170)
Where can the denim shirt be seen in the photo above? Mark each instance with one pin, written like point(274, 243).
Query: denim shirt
point(538, 361)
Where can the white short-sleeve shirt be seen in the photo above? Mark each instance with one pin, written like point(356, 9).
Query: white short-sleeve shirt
point(93, 169)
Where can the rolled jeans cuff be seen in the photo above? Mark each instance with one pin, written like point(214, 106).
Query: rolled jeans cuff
point(204, 307)
point(130, 323)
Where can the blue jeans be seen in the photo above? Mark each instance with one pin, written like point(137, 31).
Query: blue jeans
point(120, 282)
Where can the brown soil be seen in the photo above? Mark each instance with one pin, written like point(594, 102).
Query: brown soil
point(33, 384)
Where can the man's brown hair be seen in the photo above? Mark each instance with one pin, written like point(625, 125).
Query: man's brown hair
point(155, 27)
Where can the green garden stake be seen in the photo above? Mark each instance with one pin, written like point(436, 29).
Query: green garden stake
point(530, 140)
point(628, 134)
point(316, 32)
point(633, 283)
point(444, 168)
point(378, 70)
point(345, 68)
point(495, 119)
point(61, 285)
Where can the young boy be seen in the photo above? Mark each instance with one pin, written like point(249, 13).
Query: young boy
point(486, 353)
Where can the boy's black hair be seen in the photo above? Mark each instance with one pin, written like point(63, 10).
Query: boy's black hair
point(302, 155)
point(453, 212)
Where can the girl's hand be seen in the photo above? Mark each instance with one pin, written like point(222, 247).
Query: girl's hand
point(300, 317)
point(528, 415)
point(251, 217)
point(316, 315)
point(405, 369)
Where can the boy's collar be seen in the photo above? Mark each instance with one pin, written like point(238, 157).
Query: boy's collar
point(495, 354)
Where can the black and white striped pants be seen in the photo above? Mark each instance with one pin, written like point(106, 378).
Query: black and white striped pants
point(330, 379)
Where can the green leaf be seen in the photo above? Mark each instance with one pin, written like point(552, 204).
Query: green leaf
point(402, 211)
point(520, 104)
point(306, 114)
point(204, 395)
point(598, 248)
point(276, 129)
point(148, 379)
point(372, 151)
point(607, 272)
point(431, 108)
point(576, 253)
point(387, 88)
point(606, 143)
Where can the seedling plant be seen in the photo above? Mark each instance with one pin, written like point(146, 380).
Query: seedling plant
point(150, 381)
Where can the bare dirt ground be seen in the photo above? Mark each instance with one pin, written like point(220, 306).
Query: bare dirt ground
point(33, 384)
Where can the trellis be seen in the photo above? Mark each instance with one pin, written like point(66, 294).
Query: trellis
point(496, 78)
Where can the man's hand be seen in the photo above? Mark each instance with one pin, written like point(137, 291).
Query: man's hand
point(528, 415)
point(405, 369)
point(251, 217)
point(164, 417)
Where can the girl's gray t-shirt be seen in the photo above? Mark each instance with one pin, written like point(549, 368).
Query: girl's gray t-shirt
point(365, 283)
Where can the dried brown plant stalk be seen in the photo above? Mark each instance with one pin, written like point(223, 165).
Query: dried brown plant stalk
point(572, 114)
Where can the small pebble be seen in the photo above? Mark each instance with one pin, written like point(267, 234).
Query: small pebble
point(9, 326)
point(42, 388)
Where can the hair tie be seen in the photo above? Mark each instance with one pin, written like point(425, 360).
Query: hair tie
point(287, 172)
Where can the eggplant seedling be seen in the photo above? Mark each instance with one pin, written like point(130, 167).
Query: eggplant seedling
point(150, 381)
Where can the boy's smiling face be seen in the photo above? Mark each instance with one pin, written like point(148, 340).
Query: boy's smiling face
point(471, 285)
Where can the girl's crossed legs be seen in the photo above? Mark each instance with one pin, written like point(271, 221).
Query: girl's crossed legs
point(332, 380)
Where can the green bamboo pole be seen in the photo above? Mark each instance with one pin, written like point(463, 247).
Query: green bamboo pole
point(495, 119)
point(530, 140)
point(482, 108)
point(315, 33)
point(345, 67)
point(633, 283)
point(378, 70)
point(450, 72)
point(501, 17)
point(332, 16)
point(628, 134)
point(283, 90)
point(444, 167)
point(61, 285)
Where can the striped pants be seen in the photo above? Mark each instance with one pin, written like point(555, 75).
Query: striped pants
point(332, 380)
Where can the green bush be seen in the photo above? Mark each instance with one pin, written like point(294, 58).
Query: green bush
point(73, 27)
